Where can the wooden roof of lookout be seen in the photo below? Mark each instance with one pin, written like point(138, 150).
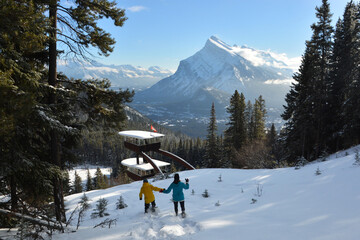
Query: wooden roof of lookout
point(140, 134)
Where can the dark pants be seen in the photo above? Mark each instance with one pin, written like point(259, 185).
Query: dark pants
point(182, 205)
point(147, 205)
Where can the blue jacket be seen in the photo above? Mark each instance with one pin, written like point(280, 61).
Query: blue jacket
point(177, 188)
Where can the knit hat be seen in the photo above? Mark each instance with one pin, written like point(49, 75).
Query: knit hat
point(145, 180)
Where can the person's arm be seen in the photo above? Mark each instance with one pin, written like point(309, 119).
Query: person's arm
point(141, 193)
point(169, 189)
point(155, 188)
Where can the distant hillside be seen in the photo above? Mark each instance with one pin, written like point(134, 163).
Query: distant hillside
point(121, 76)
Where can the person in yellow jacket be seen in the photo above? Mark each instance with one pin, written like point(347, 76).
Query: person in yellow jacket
point(147, 189)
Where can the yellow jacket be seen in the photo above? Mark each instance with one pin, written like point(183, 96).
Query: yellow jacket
point(147, 189)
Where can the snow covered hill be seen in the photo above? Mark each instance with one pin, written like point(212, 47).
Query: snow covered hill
point(123, 76)
point(319, 201)
point(212, 75)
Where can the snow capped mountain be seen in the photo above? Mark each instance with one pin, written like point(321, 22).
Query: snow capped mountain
point(225, 68)
point(123, 76)
point(212, 75)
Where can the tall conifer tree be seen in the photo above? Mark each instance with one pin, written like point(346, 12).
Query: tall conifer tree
point(307, 101)
point(82, 31)
point(350, 60)
point(51, 128)
point(22, 45)
point(212, 157)
point(235, 134)
point(259, 119)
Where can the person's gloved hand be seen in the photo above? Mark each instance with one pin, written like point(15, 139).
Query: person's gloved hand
point(140, 199)
point(186, 180)
point(161, 190)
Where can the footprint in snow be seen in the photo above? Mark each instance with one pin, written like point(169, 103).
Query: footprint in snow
point(163, 226)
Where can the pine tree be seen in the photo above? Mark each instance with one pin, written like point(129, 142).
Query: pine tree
point(250, 121)
point(101, 207)
point(120, 204)
point(307, 101)
point(98, 180)
point(212, 146)
point(66, 182)
point(322, 41)
point(259, 119)
point(77, 183)
point(236, 133)
point(345, 77)
point(83, 32)
point(272, 138)
point(337, 90)
point(22, 44)
point(45, 117)
point(89, 185)
point(105, 181)
point(298, 127)
point(84, 206)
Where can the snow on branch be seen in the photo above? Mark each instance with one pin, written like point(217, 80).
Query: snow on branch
point(55, 123)
point(48, 223)
point(106, 222)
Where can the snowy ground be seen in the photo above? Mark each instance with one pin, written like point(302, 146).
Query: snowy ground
point(290, 204)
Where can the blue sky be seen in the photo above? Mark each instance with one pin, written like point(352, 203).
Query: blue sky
point(164, 32)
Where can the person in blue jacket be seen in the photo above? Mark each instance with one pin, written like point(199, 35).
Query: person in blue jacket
point(178, 196)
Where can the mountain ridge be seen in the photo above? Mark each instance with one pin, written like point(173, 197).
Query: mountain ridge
point(212, 75)
point(121, 76)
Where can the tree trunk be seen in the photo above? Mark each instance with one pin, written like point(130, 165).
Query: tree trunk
point(14, 197)
point(55, 145)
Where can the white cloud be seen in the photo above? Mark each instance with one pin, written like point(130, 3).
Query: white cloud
point(292, 63)
point(251, 55)
point(136, 8)
point(280, 81)
point(103, 69)
point(258, 58)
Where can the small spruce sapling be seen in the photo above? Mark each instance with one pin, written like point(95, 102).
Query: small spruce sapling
point(220, 180)
point(192, 192)
point(84, 205)
point(253, 200)
point(317, 172)
point(357, 158)
point(301, 161)
point(120, 203)
point(84, 202)
point(206, 194)
point(100, 210)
